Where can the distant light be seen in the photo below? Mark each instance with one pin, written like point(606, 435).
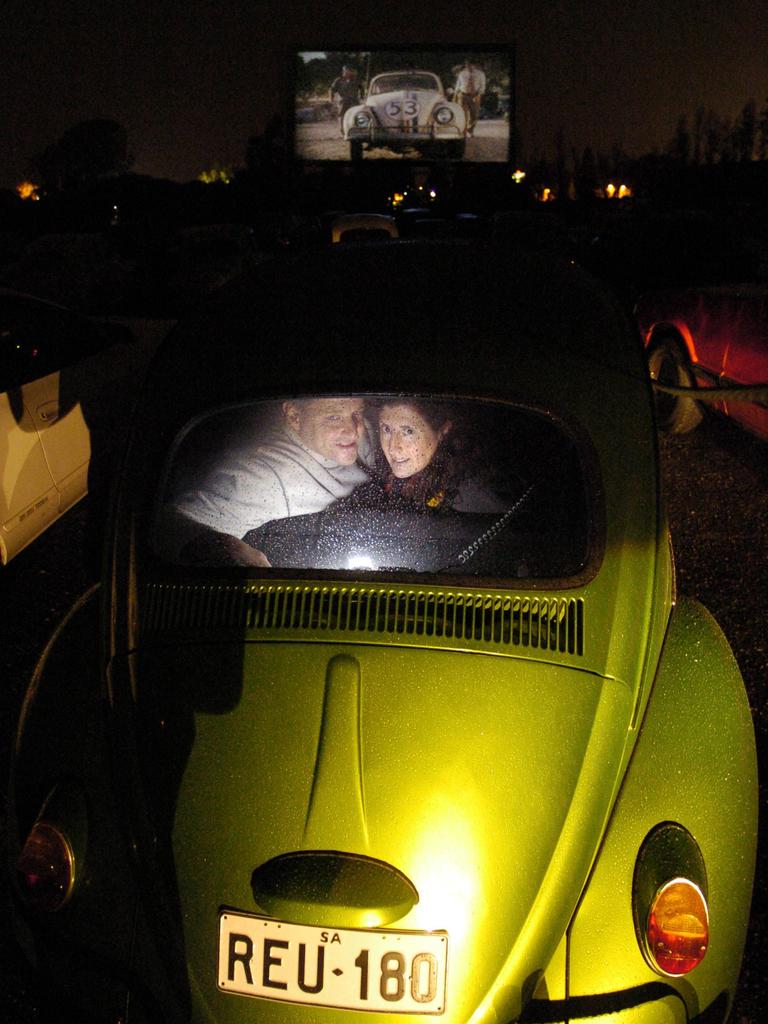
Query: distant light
point(216, 175)
point(432, 194)
point(27, 190)
point(517, 176)
point(617, 191)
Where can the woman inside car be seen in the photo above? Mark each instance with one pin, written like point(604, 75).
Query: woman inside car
point(425, 462)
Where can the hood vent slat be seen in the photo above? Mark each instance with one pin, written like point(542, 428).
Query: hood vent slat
point(418, 617)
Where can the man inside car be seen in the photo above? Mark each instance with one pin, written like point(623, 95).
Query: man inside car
point(314, 457)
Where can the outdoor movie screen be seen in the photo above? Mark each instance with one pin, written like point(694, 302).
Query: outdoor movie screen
point(410, 104)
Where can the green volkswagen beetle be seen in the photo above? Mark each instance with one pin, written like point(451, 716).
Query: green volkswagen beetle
point(387, 706)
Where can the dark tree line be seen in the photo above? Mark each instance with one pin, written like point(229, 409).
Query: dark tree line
point(710, 139)
point(94, 150)
point(706, 141)
point(86, 153)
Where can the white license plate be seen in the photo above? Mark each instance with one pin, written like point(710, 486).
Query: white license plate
point(346, 968)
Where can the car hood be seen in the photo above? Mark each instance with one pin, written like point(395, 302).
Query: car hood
point(485, 780)
point(380, 103)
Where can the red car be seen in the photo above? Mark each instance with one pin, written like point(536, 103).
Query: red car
point(715, 337)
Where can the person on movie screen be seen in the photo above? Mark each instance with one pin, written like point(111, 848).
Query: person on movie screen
point(469, 91)
point(345, 92)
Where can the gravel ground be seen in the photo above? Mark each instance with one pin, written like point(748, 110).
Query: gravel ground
point(716, 484)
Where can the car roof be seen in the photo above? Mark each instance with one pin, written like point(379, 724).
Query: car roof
point(405, 71)
point(345, 225)
point(449, 316)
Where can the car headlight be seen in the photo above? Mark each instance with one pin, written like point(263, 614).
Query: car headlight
point(669, 897)
point(362, 119)
point(443, 115)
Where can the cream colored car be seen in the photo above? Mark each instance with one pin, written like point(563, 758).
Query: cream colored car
point(66, 383)
point(363, 227)
point(406, 110)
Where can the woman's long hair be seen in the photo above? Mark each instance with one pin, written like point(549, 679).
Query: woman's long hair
point(435, 486)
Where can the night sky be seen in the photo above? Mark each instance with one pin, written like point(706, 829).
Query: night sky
point(192, 81)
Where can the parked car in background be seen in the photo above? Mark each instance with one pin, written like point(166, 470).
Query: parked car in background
point(317, 110)
point(404, 110)
point(66, 386)
point(450, 746)
point(637, 250)
point(203, 258)
point(708, 338)
point(83, 271)
point(363, 227)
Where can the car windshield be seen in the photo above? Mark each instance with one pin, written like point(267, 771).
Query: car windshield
point(394, 83)
point(387, 483)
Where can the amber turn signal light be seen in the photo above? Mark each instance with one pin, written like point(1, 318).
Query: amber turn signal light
point(45, 868)
point(677, 931)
